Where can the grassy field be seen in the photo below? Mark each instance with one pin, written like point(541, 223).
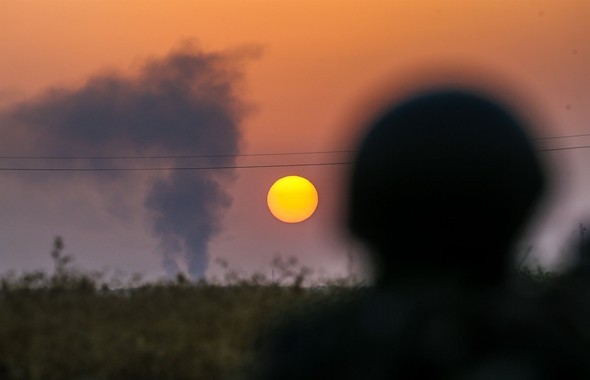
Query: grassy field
point(72, 325)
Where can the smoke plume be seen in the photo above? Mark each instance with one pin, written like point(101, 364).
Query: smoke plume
point(182, 104)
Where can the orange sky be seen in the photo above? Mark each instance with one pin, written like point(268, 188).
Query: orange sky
point(320, 59)
point(319, 56)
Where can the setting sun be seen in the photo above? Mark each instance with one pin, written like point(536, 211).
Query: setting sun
point(292, 199)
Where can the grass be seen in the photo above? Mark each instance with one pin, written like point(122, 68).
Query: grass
point(73, 325)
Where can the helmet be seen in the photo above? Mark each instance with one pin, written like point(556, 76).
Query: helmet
point(444, 182)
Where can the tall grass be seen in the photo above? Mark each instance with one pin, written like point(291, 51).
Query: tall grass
point(73, 324)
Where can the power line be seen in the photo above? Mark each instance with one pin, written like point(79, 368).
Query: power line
point(562, 137)
point(192, 156)
point(564, 148)
point(220, 167)
point(223, 167)
point(214, 167)
point(171, 156)
point(187, 168)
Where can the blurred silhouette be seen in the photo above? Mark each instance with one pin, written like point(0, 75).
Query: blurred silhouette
point(442, 305)
point(457, 162)
point(567, 299)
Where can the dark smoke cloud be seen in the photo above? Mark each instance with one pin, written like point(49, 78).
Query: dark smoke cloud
point(182, 104)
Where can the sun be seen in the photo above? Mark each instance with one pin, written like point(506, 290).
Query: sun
point(292, 199)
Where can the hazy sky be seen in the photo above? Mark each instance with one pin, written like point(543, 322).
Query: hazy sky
point(289, 76)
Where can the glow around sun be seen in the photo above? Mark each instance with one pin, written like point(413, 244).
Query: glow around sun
point(292, 199)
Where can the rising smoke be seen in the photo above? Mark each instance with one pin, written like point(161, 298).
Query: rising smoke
point(182, 104)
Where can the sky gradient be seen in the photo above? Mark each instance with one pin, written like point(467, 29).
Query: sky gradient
point(310, 71)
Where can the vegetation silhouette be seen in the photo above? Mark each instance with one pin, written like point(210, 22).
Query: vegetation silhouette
point(443, 305)
point(79, 324)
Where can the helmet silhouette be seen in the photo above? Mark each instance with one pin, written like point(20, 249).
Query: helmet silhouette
point(444, 182)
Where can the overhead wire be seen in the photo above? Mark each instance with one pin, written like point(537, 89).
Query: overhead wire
point(564, 148)
point(214, 167)
point(191, 156)
point(176, 168)
point(170, 156)
point(562, 137)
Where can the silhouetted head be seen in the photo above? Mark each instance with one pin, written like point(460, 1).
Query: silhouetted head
point(443, 184)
